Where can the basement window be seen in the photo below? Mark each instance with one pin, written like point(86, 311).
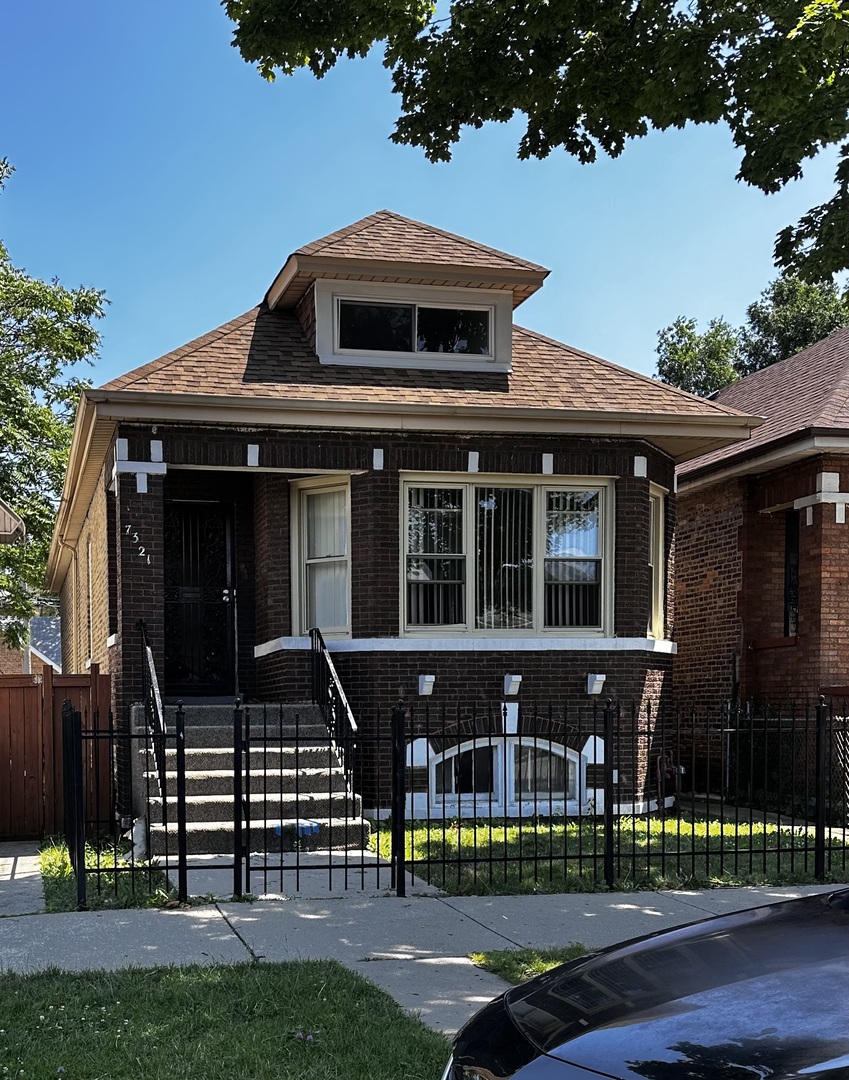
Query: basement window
point(508, 776)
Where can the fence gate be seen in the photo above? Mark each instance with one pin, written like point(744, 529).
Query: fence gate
point(31, 789)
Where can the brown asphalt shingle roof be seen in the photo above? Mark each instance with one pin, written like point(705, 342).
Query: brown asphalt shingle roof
point(386, 235)
point(808, 390)
point(266, 354)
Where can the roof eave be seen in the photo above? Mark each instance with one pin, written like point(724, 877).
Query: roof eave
point(798, 445)
point(292, 281)
point(101, 410)
point(80, 480)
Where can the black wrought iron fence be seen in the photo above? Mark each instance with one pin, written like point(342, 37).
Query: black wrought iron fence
point(511, 799)
point(111, 854)
point(502, 798)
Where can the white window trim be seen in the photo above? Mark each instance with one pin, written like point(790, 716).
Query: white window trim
point(501, 802)
point(499, 303)
point(604, 484)
point(657, 556)
point(298, 523)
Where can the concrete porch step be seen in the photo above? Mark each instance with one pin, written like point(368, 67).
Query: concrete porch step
point(272, 714)
point(271, 758)
point(207, 735)
point(220, 781)
point(216, 837)
point(263, 807)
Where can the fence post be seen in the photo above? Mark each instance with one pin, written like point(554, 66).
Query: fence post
point(820, 793)
point(398, 877)
point(608, 793)
point(182, 859)
point(72, 753)
point(237, 799)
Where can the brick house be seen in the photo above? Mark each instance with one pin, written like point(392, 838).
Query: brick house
point(377, 449)
point(43, 648)
point(761, 573)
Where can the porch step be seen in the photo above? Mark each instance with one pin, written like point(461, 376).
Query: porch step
point(216, 837)
point(299, 798)
point(273, 759)
point(269, 780)
point(263, 713)
point(263, 807)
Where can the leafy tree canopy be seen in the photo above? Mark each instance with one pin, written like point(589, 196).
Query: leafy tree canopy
point(45, 330)
point(790, 315)
point(589, 75)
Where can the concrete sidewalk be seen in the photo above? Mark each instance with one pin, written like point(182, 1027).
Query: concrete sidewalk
point(21, 891)
point(416, 948)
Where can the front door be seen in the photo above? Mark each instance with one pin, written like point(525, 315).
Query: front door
point(200, 658)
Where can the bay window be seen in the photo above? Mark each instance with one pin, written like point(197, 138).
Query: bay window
point(506, 557)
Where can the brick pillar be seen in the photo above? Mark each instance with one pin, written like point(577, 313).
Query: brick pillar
point(140, 584)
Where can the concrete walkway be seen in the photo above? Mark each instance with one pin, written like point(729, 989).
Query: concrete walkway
point(416, 948)
point(21, 892)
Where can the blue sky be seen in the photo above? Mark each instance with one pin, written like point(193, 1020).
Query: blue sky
point(153, 163)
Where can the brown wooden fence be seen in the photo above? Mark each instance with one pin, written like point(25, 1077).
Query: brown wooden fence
point(31, 745)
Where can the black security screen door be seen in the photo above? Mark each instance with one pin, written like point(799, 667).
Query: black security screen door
point(199, 600)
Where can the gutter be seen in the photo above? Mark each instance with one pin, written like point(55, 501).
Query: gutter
point(805, 443)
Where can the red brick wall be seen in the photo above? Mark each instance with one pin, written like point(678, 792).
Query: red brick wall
point(730, 589)
point(11, 660)
point(708, 579)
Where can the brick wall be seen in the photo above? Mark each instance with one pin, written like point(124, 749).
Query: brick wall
point(730, 579)
point(708, 580)
point(261, 513)
point(88, 590)
point(11, 660)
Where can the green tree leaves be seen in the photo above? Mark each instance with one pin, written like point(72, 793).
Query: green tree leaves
point(697, 363)
point(589, 75)
point(45, 330)
point(790, 315)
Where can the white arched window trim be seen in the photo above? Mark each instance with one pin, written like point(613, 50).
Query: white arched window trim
point(482, 777)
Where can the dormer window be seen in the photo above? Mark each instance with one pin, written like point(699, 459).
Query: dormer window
point(377, 324)
point(376, 327)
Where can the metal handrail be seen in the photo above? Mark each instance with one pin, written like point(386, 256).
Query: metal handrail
point(153, 711)
point(328, 694)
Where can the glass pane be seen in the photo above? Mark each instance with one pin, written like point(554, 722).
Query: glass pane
point(435, 521)
point(444, 777)
point(572, 604)
point(504, 541)
point(380, 327)
point(327, 594)
point(473, 771)
point(452, 330)
point(436, 591)
point(327, 525)
point(541, 774)
point(571, 523)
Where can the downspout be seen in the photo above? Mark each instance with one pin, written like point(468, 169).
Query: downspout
point(73, 550)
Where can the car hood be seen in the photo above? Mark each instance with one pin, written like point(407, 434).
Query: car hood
point(762, 993)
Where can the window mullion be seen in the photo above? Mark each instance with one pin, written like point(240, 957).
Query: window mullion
point(470, 554)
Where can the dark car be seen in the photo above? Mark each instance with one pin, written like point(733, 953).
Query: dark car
point(759, 995)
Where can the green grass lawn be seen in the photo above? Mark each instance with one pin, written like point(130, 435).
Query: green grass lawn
point(480, 857)
point(311, 1020)
point(519, 965)
point(146, 887)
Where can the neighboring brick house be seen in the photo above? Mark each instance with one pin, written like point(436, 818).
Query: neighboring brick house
point(44, 647)
point(378, 450)
point(762, 557)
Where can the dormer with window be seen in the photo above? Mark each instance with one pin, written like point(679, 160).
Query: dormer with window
point(393, 293)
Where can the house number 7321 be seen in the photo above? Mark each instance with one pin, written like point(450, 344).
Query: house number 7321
point(141, 550)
